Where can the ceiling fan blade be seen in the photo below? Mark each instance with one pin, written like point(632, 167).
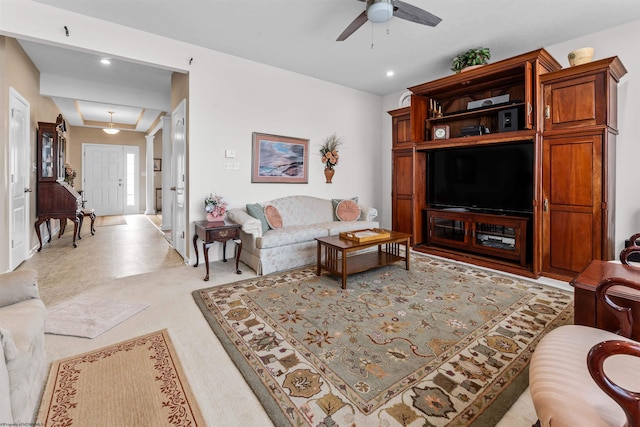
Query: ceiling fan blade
point(414, 14)
point(357, 23)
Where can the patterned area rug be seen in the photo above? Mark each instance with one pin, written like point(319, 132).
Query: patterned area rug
point(138, 382)
point(442, 344)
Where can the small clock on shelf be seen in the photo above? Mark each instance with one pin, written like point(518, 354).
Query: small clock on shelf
point(440, 132)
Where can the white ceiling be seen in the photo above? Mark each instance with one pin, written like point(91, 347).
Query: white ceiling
point(86, 90)
point(299, 35)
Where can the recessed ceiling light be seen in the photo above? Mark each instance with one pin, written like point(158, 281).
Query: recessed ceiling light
point(390, 73)
point(105, 61)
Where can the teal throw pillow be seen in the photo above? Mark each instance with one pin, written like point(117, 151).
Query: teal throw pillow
point(257, 211)
point(335, 205)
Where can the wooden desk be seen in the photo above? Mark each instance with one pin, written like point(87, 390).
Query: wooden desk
point(587, 310)
point(219, 231)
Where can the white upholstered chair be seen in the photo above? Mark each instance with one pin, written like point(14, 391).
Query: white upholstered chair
point(583, 376)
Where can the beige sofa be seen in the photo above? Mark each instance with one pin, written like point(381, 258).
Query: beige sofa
point(293, 245)
point(23, 364)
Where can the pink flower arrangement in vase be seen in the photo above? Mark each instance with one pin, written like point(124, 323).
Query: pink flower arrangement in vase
point(329, 151)
point(215, 207)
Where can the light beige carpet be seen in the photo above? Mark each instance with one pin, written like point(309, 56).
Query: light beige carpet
point(173, 307)
point(138, 382)
point(88, 317)
point(103, 221)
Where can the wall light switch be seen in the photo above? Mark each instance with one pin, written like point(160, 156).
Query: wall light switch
point(231, 165)
point(230, 154)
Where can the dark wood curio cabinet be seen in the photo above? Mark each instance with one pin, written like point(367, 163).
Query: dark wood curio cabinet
point(566, 119)
point(55, 199)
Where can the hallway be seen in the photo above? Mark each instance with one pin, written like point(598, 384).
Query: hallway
point(115, 251)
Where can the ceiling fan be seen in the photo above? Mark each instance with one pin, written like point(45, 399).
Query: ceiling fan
point(382, 10)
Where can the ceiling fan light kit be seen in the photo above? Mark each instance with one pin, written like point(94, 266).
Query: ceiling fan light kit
point(379, 10)
point(382, 10)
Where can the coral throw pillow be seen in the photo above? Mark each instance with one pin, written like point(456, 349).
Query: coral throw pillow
point(348, 210)
point(273, 216)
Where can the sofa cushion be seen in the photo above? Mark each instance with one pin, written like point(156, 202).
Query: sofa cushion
point(273, 217)
point(290, 235)
point(335, 203)
point(348, 210)
point(19, 285)
point(257, 211)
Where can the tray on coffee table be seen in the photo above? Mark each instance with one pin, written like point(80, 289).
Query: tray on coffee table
point(365, 235)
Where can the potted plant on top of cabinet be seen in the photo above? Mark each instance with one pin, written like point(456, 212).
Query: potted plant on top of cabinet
point(471, 58)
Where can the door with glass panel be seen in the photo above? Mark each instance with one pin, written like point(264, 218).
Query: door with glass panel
point(110, 180)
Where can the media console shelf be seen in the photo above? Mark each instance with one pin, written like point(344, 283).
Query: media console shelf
point(500, 236)
point(567, 116)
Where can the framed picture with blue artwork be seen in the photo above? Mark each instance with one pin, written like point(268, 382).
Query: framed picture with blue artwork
point(280, 159)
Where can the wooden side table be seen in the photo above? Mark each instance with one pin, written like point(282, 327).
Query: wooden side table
point(219, 231)
point(588, 312)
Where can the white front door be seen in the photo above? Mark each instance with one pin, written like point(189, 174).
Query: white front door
point(178, 142)
point(19, 185)
point(103, 178)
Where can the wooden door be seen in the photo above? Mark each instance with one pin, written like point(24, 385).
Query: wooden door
point(402, 182)
point(574, 103)
point(402, 191)
point(401, 128)
point(572, 203)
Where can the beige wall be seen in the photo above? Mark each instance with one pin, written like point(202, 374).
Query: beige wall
point(82, 135)
point(157, 154)
point(17, 71)
point(179, 89)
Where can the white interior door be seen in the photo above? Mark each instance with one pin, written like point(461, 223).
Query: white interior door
point(19, 179)
point(104, 178)
point(178, 142)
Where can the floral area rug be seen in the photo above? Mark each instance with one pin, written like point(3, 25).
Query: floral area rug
point(138, 382)
point(442, 344)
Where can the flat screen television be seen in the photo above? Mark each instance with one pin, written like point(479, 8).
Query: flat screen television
point(492, 178)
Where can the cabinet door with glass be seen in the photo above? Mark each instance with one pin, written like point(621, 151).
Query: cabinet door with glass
point(447, 228)
point(51, 146)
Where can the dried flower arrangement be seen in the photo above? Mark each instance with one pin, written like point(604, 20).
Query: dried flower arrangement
point(329, 151)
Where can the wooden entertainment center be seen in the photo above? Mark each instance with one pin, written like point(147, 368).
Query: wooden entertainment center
point(565, 117)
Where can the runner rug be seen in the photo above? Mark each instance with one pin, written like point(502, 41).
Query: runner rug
point(138, 382)
point(442, 344)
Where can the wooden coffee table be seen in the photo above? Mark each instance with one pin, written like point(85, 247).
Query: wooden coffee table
point(334, 254)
